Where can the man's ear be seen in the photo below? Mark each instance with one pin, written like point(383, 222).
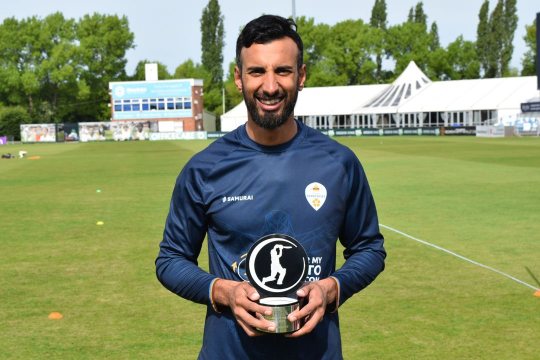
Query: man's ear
point(302, 77)
point(238, 78)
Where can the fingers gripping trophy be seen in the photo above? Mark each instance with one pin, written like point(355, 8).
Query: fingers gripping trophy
point(276, 267)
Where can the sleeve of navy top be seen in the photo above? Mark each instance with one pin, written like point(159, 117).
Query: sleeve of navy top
point(364, 244)
point(185, 229)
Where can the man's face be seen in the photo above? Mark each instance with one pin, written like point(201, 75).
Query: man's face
point(270, 81)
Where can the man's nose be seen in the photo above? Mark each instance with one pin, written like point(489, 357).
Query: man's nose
point(270, 84)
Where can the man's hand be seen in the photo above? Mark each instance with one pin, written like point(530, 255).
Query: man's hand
point(318, 295)
point(242, 298)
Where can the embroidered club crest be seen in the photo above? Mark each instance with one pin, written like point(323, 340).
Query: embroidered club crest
point(315, 195)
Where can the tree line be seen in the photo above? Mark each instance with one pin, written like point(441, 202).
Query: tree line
point(56, 69)
point(353, 52)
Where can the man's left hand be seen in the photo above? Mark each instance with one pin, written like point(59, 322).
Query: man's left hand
point(318, 295)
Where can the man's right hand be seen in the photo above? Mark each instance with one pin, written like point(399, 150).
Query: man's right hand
point(242, 298)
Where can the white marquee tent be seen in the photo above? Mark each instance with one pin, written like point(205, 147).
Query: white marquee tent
point(412, 100)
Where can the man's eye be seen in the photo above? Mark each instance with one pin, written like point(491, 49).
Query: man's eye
point(284, 72)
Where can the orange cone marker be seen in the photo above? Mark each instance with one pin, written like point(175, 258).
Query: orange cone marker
point(55, 315)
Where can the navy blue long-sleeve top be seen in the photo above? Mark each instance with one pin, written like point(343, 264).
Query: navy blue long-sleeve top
point(236, 191)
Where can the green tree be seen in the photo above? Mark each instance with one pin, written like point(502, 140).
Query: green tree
point(417, 15)
point(13, 66)
point(326, 73)
point(379, 15)
point(458, 61)
point(316, 38)
point(378, 20)
point(510, 20)
point(58, 69)
point(495, 41)
point(410, 17)
point(408, 42)
point(10, 120)
point(435, 42)
point(103, 41)
point(483, 36)
point(189, 70)
point(233, 96)
point(529, 58)
point(341, 54)
point(463, 61)
point(212, 43)
point(40, 66)
point(411, 41)
point(494, 38)
point(420, 16)
point(438, 64)
point(350, 52)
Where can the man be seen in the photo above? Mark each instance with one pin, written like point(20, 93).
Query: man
point(271, 175)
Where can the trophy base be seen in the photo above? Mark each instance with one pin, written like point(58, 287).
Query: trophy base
point(281, 308)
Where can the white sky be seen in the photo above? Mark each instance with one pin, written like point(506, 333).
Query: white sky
point(168, 31)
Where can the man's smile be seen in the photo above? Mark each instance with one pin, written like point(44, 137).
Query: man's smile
point(270, 103)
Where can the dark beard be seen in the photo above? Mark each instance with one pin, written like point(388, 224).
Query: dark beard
point(270, 120)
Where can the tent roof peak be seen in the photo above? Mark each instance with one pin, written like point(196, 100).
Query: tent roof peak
point(411, 81)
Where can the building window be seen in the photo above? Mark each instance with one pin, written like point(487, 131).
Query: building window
point(170, 104)
point(179, 105)
point(163, 104)
point(126, 105)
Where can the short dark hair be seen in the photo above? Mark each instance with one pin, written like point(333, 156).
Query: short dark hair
point(265, 29)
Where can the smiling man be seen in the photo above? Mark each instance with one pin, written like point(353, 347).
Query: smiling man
point(273, 175)
point(270, 76)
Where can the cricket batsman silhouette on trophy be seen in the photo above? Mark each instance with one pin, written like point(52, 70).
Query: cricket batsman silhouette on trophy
point(275, 266)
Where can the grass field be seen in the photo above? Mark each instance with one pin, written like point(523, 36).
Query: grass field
point(477, 197)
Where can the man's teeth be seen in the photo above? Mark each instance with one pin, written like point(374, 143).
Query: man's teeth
point(270, 101)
